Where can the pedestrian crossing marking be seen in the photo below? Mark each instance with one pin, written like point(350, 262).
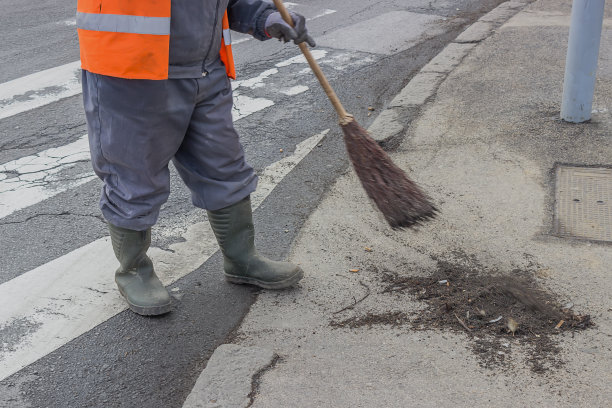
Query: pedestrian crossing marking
point(71, 295)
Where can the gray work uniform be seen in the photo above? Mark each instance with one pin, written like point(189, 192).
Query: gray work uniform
point(137, 126)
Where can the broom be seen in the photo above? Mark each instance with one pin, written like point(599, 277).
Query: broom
point(401, 201)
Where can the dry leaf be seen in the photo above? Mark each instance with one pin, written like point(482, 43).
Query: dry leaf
point(512, 325)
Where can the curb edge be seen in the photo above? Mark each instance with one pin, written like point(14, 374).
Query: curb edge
point(391, 124)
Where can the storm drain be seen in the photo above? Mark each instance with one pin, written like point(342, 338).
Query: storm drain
point(583, 206)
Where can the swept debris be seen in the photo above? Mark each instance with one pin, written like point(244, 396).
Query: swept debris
point(494, 309)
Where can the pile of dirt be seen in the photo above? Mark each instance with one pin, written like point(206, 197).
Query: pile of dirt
point(495, 310)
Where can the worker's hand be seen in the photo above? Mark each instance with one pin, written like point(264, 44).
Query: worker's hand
point(277, 27)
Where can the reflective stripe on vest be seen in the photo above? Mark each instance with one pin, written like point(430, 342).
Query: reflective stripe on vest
point(227, 36)
point(226, 49)
point(125, 39)
point(123, 24)
point(131, 39)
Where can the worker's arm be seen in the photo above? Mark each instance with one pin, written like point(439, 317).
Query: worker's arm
point(249, 16)
point(261, 19)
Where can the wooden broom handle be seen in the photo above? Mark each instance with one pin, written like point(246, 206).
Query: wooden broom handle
point(333, 98)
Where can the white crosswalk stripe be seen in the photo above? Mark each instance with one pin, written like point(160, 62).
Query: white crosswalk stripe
point(39, 89)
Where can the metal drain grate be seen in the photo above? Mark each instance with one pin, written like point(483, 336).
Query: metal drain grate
point(583, 206)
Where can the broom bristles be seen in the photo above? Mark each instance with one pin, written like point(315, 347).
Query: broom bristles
point(401, 201)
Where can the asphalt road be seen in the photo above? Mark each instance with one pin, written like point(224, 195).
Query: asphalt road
point(127, 360)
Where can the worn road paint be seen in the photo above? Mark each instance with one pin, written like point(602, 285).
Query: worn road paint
point(296, 90)
point(39, 89)
point(361, 37)
point(241, 40)
point(32, 179)
point(70, 22)
point(325, 12)
point(59, 302)
point(300, 59)
point(245, 105)
point(255, 82)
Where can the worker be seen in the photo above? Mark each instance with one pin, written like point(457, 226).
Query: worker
point(156, 88)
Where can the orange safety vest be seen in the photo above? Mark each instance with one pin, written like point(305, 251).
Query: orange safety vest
point(131, 39)
point(226, 49)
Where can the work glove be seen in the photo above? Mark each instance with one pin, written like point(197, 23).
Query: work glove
point(276, 27)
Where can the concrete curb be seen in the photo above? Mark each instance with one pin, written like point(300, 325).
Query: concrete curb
point(228, 379)
point(391, 123)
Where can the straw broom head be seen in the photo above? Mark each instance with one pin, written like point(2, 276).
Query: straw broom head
point(401, 201)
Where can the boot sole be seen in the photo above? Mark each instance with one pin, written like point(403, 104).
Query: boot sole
point(244, 280)
point(147, 310)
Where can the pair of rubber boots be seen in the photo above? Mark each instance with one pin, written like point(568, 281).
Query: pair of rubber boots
point(233, 227)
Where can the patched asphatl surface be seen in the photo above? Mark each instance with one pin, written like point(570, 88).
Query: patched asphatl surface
point(583, 206)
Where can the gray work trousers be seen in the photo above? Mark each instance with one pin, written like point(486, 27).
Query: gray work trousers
point(137, 126)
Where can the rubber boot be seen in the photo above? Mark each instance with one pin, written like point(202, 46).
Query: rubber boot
point(136, 279)
point(233, 227)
